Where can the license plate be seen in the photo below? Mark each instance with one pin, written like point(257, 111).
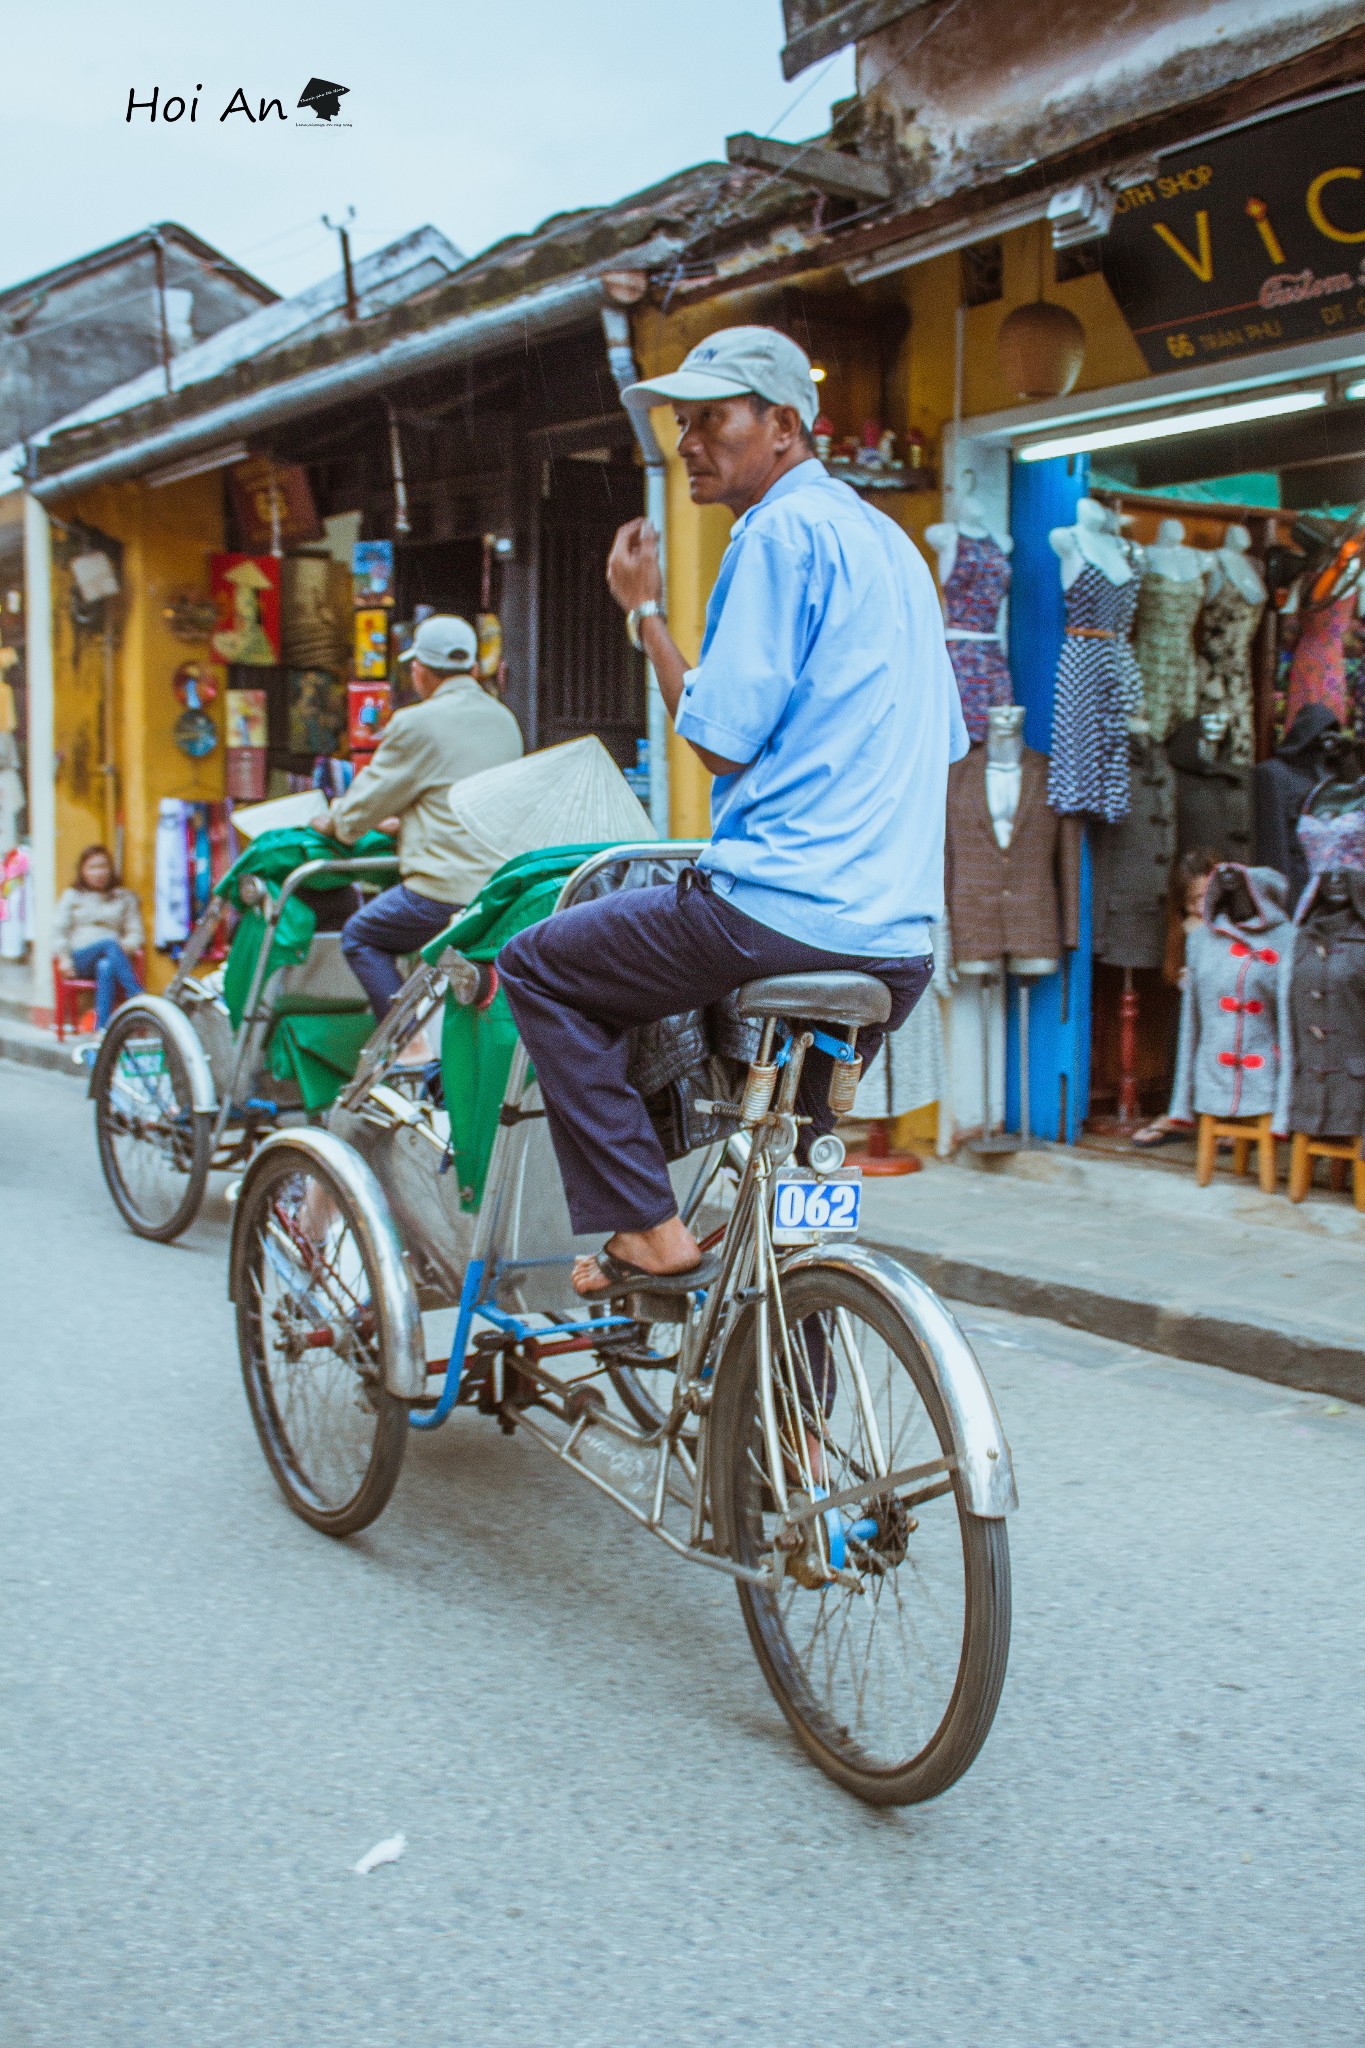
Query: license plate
point(806, 1208)
point(147, 1062)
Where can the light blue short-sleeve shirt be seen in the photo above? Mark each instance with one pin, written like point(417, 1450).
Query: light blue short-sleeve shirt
point(824, 668)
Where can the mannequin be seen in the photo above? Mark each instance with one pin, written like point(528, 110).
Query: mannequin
point(1213, 793)
point(1228, 1058)
point(1320, 1101)
point(1099, 684)
point(1163, 632)
point(1169, 556)
point(974, 576)
point(1282, 786)
point(1234, 604)
point(1332, 822)
point(1233, 562)
point(1132, 867)
point(1092, 539)
point(1317, 673)
point(1013, 874)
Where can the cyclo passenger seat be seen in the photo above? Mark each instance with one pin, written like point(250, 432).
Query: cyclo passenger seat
point(849, 999)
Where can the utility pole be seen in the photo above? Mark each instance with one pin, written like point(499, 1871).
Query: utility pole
point(341, 229)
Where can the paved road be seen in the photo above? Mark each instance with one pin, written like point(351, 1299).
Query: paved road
point(207, 1713)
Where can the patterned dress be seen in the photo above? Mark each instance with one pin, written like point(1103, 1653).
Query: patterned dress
point(1227, 627)
point(1099, 687)
point(972, 596)
point(1163, 641)
point(1317, 674)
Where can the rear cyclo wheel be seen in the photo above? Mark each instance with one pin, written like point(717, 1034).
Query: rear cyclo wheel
point(891, 1672)
point(308, 1330)
point(154, 1148)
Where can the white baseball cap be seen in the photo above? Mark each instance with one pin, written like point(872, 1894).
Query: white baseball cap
point(733, 361)
point(443, 642)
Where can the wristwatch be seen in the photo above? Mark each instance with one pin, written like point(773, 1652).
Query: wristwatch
point(651, 609)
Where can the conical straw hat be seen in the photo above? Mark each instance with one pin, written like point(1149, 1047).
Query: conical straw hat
point(568, 795)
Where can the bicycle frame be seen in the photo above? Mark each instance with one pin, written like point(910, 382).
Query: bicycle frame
point(748, 1282)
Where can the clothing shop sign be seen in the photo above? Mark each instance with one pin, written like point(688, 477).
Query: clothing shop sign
point(1248, 242)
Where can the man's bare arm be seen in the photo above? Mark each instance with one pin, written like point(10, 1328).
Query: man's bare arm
point(634, 579)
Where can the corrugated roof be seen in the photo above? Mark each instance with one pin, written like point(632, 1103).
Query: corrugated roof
point(703, 204)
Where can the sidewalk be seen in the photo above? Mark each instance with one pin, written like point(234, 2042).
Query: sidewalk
point(1223, 1275)
point(32, 1045)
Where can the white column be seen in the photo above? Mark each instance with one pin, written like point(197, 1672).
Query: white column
point(41, 765)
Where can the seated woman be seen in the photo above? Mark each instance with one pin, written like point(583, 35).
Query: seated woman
point(98, 927)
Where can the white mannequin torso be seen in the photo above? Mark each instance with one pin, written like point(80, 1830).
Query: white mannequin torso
point(1232, 563)
point(1090, 541)
point(1168, 556)
point(1004, 768)
point(942, 537)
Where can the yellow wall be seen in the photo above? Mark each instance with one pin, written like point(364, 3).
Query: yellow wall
point(167, 536)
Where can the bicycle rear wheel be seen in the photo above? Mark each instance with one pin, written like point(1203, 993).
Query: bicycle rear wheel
point(154, 1148)
point(309, 1334)
point(890, 1672)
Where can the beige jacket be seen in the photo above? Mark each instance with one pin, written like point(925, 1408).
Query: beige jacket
point(85, 916)
point(459, 730)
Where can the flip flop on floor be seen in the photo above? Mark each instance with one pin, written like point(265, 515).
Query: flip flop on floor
point(1160, 1133)
point(624, 1278)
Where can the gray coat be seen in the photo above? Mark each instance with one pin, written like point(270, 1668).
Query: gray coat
point(1228, 1063)
point(1322, 1018)
point(1133, 864)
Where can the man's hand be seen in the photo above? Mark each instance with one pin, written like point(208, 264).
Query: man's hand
point(633, 566)
point(323, 823)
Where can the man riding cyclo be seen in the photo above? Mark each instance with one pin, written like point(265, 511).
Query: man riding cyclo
point(825, 707)
point(454, 730)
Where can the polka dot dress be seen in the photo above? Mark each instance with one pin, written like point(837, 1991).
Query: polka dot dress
point(1099, 687)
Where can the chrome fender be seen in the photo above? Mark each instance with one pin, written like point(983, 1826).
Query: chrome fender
point(978, 1441)
point(177, 1026)
point(400, 1323)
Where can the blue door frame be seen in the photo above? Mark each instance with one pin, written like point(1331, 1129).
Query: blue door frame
point(1044, 495)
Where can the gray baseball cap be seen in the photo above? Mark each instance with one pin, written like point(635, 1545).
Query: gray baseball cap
point(732, 361)
point(443, 642)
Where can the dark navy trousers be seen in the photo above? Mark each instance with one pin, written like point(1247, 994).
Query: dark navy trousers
point(578, 981)
point(398, 921)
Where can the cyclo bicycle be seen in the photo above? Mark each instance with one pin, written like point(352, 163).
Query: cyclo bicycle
point(813, 1424)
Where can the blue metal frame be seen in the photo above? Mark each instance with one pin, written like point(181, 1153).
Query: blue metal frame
point(472, 1303)
point(1044, 495)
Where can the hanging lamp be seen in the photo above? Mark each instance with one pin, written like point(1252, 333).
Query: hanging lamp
point(1040, 346)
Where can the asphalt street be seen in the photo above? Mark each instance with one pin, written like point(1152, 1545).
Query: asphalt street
point(208, 1713)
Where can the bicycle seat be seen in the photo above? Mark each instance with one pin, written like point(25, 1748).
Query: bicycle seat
point(822, 998)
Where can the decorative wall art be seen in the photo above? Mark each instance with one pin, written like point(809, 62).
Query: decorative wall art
point(246, 591)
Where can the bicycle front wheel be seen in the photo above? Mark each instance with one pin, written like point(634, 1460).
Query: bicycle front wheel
point(886, 1638)
point(154, 1148)
point(309, 1334)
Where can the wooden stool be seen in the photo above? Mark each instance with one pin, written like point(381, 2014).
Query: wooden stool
point(1303, 1150)
point(1244, 1131)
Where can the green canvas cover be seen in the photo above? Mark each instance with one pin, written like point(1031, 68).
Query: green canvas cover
point(320, 1052)
point(272, 859)
point(477, 1045)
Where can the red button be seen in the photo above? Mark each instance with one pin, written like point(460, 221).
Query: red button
point(1229, 1003)
point(1253, 1059)
point(1227, 1059)
point(1254, 1007)
point(1239, 951)
point(1270, 956)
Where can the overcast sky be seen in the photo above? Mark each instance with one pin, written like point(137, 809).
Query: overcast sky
point(480, 116)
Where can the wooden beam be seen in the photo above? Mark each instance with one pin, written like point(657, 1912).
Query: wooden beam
point(828, 170)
